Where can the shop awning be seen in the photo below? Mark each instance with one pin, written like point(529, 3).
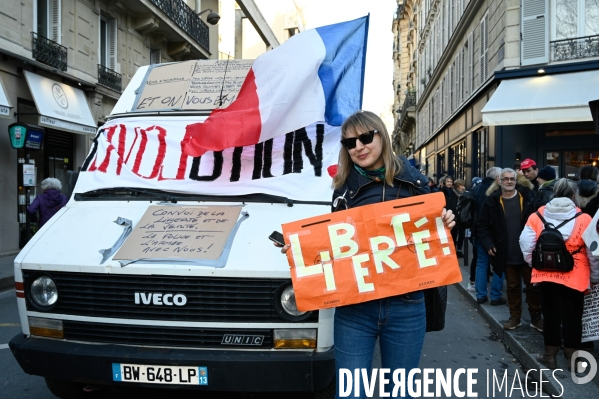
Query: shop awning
point(5, 106)
point(543, 99)
point(60, 106)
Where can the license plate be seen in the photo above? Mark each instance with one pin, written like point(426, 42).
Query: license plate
point(160, 374)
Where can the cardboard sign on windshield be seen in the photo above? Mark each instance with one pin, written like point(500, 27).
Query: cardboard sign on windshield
point(371, 252)
point(180, 232)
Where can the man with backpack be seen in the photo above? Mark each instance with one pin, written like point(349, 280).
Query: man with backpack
point(509, 203)
point(552, 244)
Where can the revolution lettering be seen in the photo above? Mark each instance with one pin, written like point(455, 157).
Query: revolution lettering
point(138, 146)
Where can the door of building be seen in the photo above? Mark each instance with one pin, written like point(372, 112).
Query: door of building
point(568, 163)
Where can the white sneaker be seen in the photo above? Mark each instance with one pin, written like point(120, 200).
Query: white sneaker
point(471, 288)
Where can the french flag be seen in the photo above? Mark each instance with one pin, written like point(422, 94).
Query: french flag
point(316, 75)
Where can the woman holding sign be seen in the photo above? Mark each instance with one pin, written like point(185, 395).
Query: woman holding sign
point(368, 173)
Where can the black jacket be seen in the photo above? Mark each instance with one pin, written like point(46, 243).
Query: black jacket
point(544, 194)
point(491, 232)
point(359, 190)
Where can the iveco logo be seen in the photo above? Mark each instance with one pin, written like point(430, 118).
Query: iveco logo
point(159, 299)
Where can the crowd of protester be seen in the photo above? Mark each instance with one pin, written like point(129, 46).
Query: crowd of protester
point(511, 207)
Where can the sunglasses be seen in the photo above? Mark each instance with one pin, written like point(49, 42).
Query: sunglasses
point(365, 138)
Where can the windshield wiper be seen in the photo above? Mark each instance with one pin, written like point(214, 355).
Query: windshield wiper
point(127, 190)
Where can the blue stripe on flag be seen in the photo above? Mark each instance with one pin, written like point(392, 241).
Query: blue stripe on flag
point(342, 71)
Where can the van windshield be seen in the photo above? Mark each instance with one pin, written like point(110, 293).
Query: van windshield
point(137, 194)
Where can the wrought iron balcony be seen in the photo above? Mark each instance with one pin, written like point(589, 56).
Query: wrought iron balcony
point(109, 78)
point(574, 48)
point(409, 104)
point(49, 52)
point(186, 18)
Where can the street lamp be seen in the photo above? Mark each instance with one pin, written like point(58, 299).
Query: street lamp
point(212, 18)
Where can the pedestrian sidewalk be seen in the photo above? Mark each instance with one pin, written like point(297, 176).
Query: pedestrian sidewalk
point(525, 342)
point(7, 272)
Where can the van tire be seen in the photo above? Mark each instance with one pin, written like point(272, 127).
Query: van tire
point(328, 392)
point(66, 389)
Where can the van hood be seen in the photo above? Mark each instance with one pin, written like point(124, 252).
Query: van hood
point(71, 241)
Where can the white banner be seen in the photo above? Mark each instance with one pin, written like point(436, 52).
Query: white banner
point(145, 152)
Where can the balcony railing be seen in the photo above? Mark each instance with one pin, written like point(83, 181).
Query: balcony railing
point(109, 78)
point(409, 102)
point(187, 20)
point(49, 52)
point(574, 48)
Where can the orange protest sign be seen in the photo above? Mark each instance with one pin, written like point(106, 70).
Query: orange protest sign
point(370, 252)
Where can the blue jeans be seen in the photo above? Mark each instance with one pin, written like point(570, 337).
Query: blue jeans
point(482, 264)
point(399, 322)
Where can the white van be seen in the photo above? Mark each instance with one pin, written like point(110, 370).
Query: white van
point(168, 321)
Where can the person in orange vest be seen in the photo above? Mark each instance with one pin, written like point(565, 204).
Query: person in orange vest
point(563, 292)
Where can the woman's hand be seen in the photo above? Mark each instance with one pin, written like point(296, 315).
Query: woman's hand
point(448, 218)
point(284, 248)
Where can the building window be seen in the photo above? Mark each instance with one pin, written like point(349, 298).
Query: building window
point(47, 16)
point(484, 44)
point(108, 43)
point(155, 56)
point(292, 32)
point(575, 18)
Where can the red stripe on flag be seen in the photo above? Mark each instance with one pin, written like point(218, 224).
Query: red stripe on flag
point(235, 126)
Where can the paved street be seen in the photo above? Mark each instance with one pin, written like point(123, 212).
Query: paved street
point(466, 342)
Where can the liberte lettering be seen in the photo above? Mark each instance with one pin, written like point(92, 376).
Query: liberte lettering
point(343, 246)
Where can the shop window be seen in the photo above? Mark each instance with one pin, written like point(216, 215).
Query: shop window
point(430, 166)
point(568, 163)
point(481, 145)
point(48, 19)
point(458, 160)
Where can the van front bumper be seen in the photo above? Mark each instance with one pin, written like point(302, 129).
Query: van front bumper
point(228, 370)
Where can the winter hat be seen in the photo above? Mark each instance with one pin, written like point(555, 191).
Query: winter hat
point(527, 163)
point(476, 181)
point(547, 173)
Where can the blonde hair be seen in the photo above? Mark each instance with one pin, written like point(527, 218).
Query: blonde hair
point(459, 182)
point(363, 121)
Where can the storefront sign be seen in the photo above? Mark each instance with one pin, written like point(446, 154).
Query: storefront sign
point(28, 174)
point(370, 252)
point(17, 134)
point(5, 106)
point(61, 106)
point(34, 139)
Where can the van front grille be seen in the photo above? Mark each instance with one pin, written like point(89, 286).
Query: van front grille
point(208, 299)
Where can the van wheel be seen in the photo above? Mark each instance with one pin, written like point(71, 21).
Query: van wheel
point(66, 389)
point(328, 392)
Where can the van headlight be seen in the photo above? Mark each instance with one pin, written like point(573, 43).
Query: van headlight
point(287, 307)
point(43, 291)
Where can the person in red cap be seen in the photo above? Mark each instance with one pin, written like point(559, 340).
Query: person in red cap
point(529, 169)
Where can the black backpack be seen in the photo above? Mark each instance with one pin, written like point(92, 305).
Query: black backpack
point(550, 253)
point(466, 211)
